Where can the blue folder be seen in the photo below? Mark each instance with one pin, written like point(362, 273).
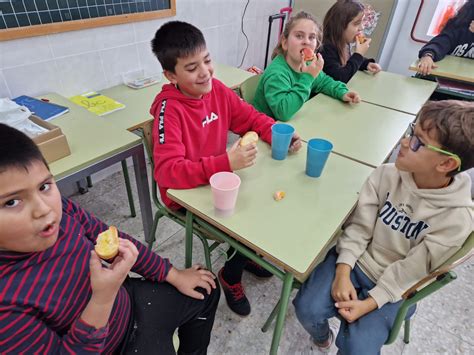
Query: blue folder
point(40, 108)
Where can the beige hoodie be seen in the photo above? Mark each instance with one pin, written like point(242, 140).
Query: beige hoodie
point(399, 233)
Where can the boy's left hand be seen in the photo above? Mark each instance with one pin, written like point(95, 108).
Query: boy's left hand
point(354, 309)
point(351, 97)
point(295, 143)
point(188, 279)
point(374, 68)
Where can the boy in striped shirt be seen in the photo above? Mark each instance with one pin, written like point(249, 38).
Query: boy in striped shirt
point(55, 295)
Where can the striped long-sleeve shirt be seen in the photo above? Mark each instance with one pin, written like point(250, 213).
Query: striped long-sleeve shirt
point(43, 294)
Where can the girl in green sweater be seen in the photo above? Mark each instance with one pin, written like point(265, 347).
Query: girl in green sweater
point(290, 80)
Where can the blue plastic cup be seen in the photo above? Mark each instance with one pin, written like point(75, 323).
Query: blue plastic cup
point(281, 139)
point(317, 155)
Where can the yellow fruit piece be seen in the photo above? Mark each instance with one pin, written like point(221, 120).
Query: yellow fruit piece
point(249, 137)
point(107, 243)
point(278, 195)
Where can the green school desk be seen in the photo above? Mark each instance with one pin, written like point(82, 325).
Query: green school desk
point(231, 76)
point(95, 145)
point(393, 91)
point(138, 102)
point(292, 233)
point(452, 67)
point(363, 132)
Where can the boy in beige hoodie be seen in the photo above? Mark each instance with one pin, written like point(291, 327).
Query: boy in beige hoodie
point(411, 217)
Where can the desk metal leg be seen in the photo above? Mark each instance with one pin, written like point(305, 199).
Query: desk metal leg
point(141, 177)
point(280, 322)
point(271, 317)
point(189, 240)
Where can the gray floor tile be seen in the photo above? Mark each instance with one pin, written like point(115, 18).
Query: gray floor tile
point(430, 338)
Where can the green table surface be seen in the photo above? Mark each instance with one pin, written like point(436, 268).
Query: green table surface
point(294, 231)
point(393, 91)
point(452, 67)
point(90, 138)
point(363, 132)
point(231, 76)
point(138, 102)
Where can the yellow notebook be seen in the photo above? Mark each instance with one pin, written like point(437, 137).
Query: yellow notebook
point(97, 103)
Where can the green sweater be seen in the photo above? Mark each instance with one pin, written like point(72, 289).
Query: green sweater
point(281, 91)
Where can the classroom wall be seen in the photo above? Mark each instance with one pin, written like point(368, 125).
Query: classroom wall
point(74, 62)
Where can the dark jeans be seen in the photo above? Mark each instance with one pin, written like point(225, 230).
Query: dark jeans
point(158, 309)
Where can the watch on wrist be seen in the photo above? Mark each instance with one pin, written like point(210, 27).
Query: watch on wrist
point(428, 54)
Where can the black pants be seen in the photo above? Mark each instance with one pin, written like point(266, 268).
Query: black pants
point(234, 267)
point(158, 309)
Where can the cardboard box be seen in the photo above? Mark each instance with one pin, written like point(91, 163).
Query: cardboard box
point(52, 144)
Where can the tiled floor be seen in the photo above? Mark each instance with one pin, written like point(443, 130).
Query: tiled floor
point(443, 323)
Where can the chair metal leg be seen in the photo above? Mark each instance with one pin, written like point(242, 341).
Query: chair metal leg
point(189, 240)
point(129, 188)
point(207, 252)
point(152, 235)
point(280, 322)
point(271, 317)
point(82, 190)
point(406, 333)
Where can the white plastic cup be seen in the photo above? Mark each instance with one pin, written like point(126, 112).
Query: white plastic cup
point(225, 189)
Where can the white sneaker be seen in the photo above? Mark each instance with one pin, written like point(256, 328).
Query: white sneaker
point(332, 339)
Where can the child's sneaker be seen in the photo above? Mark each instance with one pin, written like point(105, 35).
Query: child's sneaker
point(257, 270)
point(332, 338)
point(235, 296)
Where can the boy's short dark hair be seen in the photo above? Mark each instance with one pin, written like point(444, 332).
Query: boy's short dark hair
point(176, 39)
point(17, 150)
point(453, 122)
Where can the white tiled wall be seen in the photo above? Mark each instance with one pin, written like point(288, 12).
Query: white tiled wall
point(74, 62)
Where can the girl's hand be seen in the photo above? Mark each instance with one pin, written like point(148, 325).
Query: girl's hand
point(351, 97)
point(374, 68)
point(188, 279)
point(314, 67)
point(353, 310)
point(242, 157)
point(295, 143)
point(106, 281)
point(362, 48)
point(426, 65)
point(471, 26)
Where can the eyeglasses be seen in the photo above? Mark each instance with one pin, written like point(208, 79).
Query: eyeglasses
point(415, 143)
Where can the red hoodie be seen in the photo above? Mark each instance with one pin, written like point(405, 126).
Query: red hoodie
point(190, 135)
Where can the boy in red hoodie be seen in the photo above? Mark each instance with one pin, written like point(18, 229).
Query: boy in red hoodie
point(193, 115)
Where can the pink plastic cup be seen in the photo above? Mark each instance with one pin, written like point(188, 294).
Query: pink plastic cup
point(225, 188)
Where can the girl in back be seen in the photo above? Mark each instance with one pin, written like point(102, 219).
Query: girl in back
point(342, 27)
point(290, 80)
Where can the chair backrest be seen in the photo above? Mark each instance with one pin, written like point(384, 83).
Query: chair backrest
point(466, 251)
point(147, 139)
point(430, 284)
point(248, 88)
point(148, 142)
